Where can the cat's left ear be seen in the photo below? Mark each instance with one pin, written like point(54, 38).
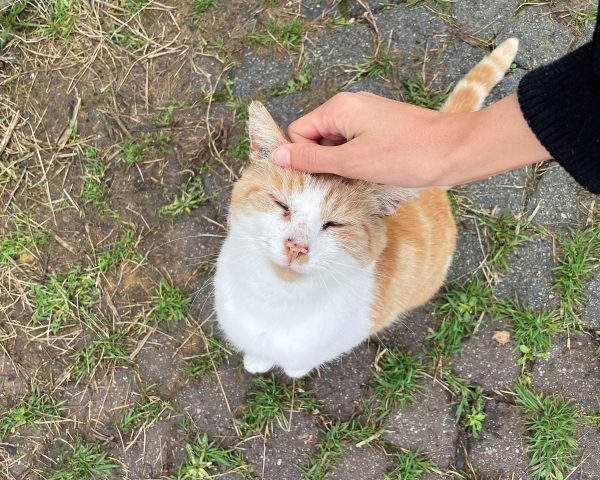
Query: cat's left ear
point(389, 197)
point(265, 135)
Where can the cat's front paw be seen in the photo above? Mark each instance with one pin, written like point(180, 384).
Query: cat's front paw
point(254, 364)
point(296, 373)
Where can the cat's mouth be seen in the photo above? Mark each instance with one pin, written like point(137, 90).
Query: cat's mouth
point(286, 273)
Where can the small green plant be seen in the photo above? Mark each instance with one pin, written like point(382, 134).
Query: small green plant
point(133, 149)
point(191, 196)
point(302, 81)
point(31, 411)
point(63, 296)
point(471, 404)
point(270, 402)
point(87, 462)
point(60, 17)
point(581, 18)
point(505, 233)
point(15, 244)
point(170, 303)
point(409, 465)
point(124, 248)
point(131, 7)
point(381, 65)
point(110, 346)
point(200, 365)
point(421, 95)
point(552, 425)
point(460, 309)
point(201, 6)
point(145, 412)
point(204, 457)
point(9, 21)
point(288, 34)
point(397, 378)
point(95, 186)
point(126, 37)
point(241, 147)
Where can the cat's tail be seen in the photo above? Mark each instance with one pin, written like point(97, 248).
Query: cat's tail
point(470, 92)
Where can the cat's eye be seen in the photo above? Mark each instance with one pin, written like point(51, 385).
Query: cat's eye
point(284, 207)
point(327, 225)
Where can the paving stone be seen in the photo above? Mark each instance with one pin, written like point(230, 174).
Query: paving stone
point(591, 306)
point(286, 108)
point(453, 62)
point(361, 463)
point(208, 70)
point(558, 201)
point(409, 333)
point(426, 424)
point(469, 252)
point(277, 457)
point(12, 388)
point(373, 85)
point(587, 35)
point(343, 385)
point(313, 9)
point(486, 362)
point(357, 8)
point(589, 439)
point(482, 18)
point(574, 373)
point(261, 72)
point(500, 192)
point(542, 39)
point(499, 452)
point(204, 402)
point(338, 50)
point(506, 87)
point(530, 278)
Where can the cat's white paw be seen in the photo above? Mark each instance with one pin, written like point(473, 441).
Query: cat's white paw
point(254, 364)
point(295, 373)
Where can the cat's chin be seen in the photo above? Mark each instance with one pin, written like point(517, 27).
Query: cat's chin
point(285, 273)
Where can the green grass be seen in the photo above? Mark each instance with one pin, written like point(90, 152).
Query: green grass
point(532, 331)
point(133, 149)
point(132, 7)
point(409, 465)
point(337, 436)
point(581, 18)
point(381, 65)
point(35, 409)
point(471, 403)
point(288, 34)
point(191, 196)
point(110, 346)
point(552, 424)
point(460, 309)
point(145, 412)
point(87, 462)
point(201, 364)
point(16, 244)
point(397, 378)
point(271, 401)
point(63, 296)
point(241, 147)
point(125, 247)
point(205, 457)
point(504, 233)
point(301, 82)
point(10, 21)
point(170, 303)
point(94, 186)
point(125, 37)
point(60, 17)
point(165, 116)
point(579, 250)
point(201, 7)
point(421, 95)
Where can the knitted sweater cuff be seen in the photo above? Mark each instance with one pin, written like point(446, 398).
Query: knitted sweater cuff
point(561, 103)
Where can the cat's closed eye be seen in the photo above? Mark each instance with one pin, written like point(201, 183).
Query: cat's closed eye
point(283, 206)
point(327, 225)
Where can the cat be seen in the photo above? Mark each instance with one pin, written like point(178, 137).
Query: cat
point(313, 265)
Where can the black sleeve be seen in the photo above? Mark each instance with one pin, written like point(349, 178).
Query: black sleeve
point(561, 103)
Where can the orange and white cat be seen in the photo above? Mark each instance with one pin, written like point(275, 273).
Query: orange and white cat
point(314, 264)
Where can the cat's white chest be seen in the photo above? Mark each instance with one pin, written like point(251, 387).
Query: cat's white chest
point(296, 325)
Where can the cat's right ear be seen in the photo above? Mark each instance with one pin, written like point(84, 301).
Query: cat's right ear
point(265, 135)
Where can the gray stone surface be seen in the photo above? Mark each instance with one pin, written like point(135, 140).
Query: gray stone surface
point(530, 276)
point(410, 332)
point(277, 457)
point(335, 55)
point(586, 35)
point(555, 201)
point(426, 424)
point(364, 463)
point(500, 192)
point(589, 438)
point(12, 387)
point(542, 39)
point(286, 108)
point(469, 251)
point(261, 72)
point(574, 372)
point(345, 384)
point(486, 362)
point(482, 18)
point(373, 85)
point(499, 452)
point(591, 306)
point(313, 9)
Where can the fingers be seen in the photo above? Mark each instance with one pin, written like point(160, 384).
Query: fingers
point(314, 158)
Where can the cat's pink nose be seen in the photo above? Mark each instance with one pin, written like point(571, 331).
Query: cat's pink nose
point(294, 250)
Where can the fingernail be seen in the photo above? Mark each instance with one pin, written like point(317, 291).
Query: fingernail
point(281, 156)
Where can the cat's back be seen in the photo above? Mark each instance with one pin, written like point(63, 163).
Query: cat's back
point(421, 237)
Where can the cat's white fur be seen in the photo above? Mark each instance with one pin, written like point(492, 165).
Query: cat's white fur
point(295, 325)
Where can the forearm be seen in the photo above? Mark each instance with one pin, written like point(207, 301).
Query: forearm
point(493, 140)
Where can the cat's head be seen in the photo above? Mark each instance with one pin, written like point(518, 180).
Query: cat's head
point(305, 223)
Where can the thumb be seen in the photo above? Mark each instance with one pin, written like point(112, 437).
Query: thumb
point(311, 157)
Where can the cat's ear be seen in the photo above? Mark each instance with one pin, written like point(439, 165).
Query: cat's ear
point(265, 135)
point(389, 197)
